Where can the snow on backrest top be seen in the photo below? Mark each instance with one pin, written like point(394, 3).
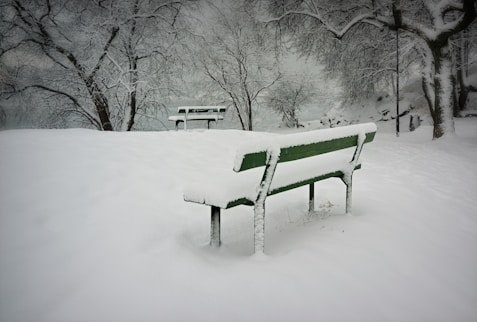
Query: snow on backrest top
point(187, 109)
point(302, 145)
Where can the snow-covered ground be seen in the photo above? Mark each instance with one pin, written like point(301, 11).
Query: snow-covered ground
point(93, 227)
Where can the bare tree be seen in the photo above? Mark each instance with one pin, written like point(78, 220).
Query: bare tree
point(46, 28)
point(92, 57)
point(143, 61)
point(429, 23)
point(235, 55)
point(289, 96)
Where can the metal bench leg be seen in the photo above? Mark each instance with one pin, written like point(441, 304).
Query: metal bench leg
point(259, 227)
point(349, 192)
point(311, 200)
point(215, 226)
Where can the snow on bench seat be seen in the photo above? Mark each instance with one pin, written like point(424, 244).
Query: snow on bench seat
point(228, 189)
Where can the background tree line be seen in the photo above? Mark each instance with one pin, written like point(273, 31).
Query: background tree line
point(110, 64)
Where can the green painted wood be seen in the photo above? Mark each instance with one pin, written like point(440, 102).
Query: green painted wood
point(248, 202)
point(239, 202)
point(258, 159)
point(335, 174)
point(253, 160)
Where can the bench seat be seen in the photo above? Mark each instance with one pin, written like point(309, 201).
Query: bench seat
point(228, 189)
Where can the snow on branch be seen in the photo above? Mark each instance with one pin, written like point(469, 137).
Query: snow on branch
point(429, 33)
point(439, 10)
point(339, 33)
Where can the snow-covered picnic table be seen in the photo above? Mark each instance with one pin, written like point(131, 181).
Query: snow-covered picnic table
point(316, 155)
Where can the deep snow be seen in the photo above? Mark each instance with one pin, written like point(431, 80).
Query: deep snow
point(93, 227)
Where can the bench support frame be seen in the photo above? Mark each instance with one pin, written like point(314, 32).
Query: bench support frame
point(185, 123)
point(259, 205)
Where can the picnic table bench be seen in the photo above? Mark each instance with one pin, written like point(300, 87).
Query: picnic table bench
point(304, 159)
point(198, 113)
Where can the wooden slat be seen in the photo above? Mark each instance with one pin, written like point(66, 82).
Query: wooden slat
point(258, 159)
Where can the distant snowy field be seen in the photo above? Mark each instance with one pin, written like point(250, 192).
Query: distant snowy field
point(93, 228)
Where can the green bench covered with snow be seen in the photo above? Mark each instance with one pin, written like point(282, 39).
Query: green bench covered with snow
point(270, 166)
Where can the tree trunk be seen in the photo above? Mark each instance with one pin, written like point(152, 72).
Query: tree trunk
point(249, 112)
point(103, 111)
point(462, 61)
point(455, 97)
point(427, 89)
point(101, 103)
point(444, 89)
point(131, 111)
point(463, 95)
point(239, 113)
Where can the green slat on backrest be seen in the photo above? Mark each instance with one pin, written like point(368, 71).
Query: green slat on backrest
point(258, 159)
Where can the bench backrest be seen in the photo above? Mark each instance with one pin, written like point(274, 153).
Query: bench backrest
point(304, 145)
point(201, 109)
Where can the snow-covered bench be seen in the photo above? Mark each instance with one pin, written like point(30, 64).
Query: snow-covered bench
point(198, 113)
point(304, 158)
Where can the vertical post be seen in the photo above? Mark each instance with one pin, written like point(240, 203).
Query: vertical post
point(185, 118)
point(311, 199)
point(396, 7)
point(259, 228)
point(349, 193)
point(397, 81)
point(273, 154)
point(215, 226)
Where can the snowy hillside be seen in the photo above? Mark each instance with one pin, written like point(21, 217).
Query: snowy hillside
point(93, 227)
